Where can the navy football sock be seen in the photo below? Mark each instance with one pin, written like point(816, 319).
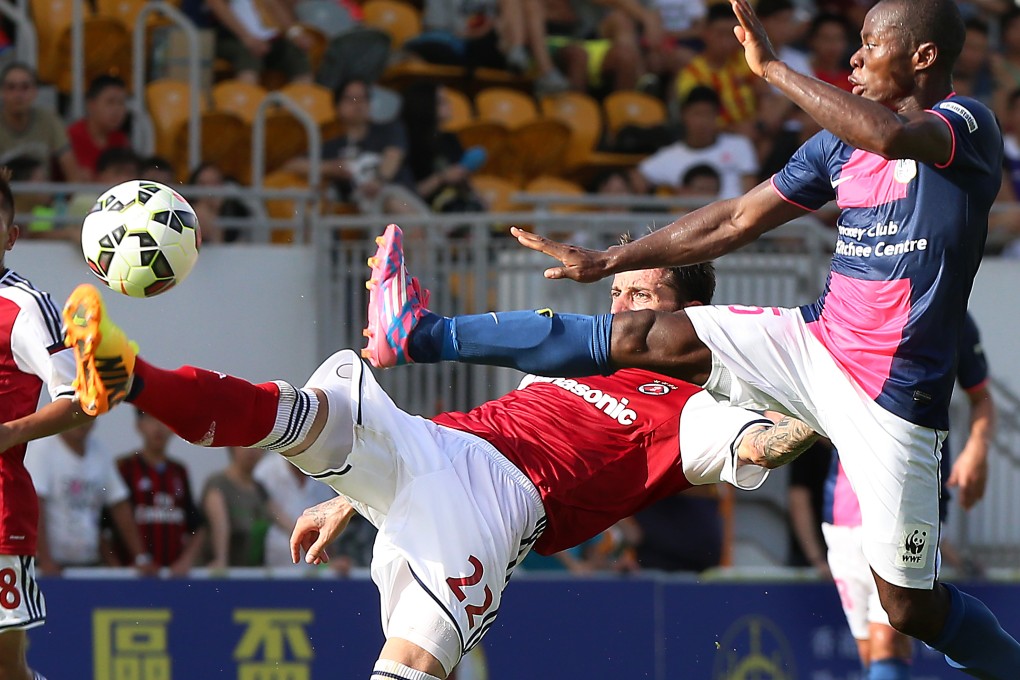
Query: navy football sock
point(974, 642)
point(531, 341)
point(889, 669)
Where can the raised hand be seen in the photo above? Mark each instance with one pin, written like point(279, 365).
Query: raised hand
point(579, 264)
point(758, 50)
point(317, 527)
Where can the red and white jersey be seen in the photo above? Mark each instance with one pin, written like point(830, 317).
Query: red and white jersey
point(32, 354)
point(601, 448)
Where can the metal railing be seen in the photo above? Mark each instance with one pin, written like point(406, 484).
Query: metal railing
point(139, 60)
point(27, 45)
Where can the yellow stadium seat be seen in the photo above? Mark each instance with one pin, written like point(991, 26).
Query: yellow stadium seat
point(238, 98)
point(282, 208)
point(537, 148)
point(495, 192)
point(503, 105)
point(583, 116)
point(51, 18)
point(493, 137)
point(459, 107)
point(315, 100)
point(398, 20)
point(226, 143)
point(108, 48)
point(632, 108)
point(168, 103)
point(547, 184)
point(127, 11)
point(286, 138)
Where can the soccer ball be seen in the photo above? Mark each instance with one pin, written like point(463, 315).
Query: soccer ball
point(141, 238)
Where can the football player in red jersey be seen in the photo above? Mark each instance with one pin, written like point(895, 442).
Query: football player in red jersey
point(32, 354)
point(460, 499)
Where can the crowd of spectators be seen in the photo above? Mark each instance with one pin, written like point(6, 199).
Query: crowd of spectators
point(724, 131)
point(391, 146)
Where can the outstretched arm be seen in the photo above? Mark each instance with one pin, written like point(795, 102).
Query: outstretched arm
point(698, 236)
point(775, 445)
point(53, 418)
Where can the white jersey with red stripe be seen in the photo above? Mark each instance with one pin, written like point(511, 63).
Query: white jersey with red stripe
point(32, 354)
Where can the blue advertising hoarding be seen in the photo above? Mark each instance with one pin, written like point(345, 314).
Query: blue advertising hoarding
point(109, 629)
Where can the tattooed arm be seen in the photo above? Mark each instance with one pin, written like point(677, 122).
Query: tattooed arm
point(776, 445)
point(319, 526)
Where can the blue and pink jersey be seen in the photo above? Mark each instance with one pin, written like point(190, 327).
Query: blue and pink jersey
point(910, 240)
point(840, 506)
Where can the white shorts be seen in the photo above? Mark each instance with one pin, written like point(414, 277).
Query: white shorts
point(22, 605)
point(768, 358)
point(454, 515)
point(856, 585)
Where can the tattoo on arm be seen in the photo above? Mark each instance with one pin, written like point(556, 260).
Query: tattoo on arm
point(782, 443)
point(318, 513)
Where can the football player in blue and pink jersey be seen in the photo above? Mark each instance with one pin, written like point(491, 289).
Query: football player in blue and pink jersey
point(914, 168)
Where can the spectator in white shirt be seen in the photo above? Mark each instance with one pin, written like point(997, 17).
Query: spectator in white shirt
point(731, 155)
point(75, 479)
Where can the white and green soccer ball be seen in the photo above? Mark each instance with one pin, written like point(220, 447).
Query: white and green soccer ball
point(141, 238)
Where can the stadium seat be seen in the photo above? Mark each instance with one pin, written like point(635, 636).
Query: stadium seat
point(127, 11)
point(328, 16)
point(496, 192)
point(320, 41)
point(108, 51)
point(282, 208)
point(398, 20)
point(51, 18)
point(460, 110)
point(632, 108)
point(493, 137)
point(547, 184)
point(404, 73)
point(168, 103)
point(226, 143)
point(537, 148)
point(503, 105)
point(583, 116)
point(240, 99)
point(315, 100)
point(286, 138)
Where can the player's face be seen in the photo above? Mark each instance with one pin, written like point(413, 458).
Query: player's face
point(645, 289)
point(8, 235)
point(883, 65)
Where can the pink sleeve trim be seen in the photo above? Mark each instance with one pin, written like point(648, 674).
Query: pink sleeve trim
point(974, 388)
point(772, 182)
point(952, 134)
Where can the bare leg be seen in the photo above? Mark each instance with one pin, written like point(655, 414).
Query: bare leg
point(534, 29)
point(574, 63)
point(662, 342)
point(888, 643)
point(412, 656)
point(13, 664)
point(623, 61)
point(915, 612)
point(511, 25)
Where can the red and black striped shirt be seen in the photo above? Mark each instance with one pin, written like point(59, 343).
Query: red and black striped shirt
point(164, 508)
